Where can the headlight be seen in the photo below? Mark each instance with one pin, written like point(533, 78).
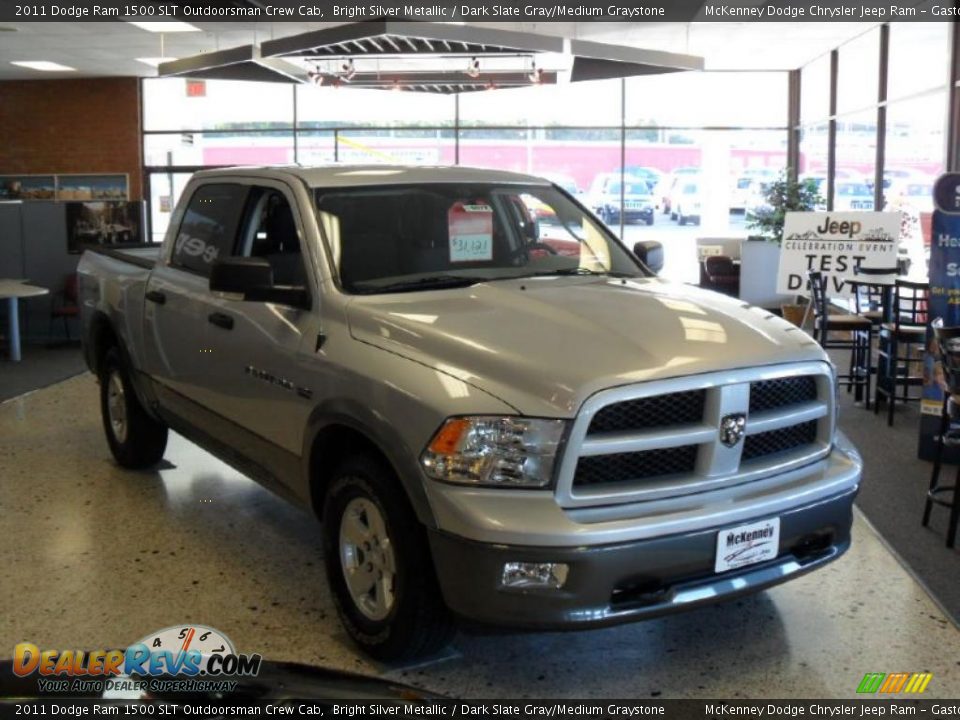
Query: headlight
point(494, 451)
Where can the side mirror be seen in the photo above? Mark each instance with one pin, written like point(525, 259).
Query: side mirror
point(650, 253)
point(252, 278)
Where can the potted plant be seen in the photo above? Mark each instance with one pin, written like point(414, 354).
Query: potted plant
point(781, 196)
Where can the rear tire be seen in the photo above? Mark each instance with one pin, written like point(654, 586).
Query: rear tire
point(379, 565)
point(136, 440)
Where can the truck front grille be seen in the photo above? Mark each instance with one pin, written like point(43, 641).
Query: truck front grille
point(622, 467)
point(650, 412)
point(782, 392)
point(778, 441)
point(664, 438)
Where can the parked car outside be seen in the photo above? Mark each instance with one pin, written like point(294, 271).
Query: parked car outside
point(605, 198)
point(649, 175)
point(667, 186)
point(854, 195)
point(688, 202)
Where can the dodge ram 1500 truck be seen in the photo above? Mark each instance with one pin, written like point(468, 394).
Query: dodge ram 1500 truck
point(497, 411)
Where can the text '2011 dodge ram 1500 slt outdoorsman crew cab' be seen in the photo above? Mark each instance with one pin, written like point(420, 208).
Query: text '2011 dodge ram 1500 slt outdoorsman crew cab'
point(497, 411)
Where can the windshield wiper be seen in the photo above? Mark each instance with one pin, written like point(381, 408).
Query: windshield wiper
point(578, 271)
point(431, 282)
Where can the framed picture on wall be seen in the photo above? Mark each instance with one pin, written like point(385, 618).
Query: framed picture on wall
point(28, 187)
point(103, 223)
point(92, 187)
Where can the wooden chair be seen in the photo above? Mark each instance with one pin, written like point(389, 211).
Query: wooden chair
point(871, 285)
point(897, 358)
point(66, 305)
point(856, 336)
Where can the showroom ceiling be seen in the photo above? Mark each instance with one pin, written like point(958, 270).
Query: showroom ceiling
point(112, 48)
point(427, 57)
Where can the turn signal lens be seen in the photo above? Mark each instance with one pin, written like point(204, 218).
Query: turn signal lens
point(446, 441)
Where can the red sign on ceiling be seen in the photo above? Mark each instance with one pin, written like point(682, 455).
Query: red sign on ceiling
point(196, 88)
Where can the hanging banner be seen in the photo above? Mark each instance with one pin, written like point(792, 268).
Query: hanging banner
point(835, 243)
point(944, 303)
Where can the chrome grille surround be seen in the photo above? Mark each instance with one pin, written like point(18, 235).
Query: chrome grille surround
point(717, 466)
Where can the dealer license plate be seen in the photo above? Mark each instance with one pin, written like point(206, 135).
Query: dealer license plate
point(749, 544)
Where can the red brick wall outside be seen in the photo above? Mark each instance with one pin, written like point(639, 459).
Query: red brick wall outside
point(86, 125)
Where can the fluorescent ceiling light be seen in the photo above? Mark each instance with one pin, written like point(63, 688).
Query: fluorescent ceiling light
point(155, 62)
point(165, 27)
point(43, 65)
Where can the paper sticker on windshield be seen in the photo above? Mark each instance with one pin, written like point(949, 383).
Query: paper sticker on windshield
point(471, 232)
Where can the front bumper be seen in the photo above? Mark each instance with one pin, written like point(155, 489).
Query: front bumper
point(630, 215)
point(610, 584)
point(632, 562)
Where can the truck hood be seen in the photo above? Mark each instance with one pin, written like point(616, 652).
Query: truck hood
point(544, 345)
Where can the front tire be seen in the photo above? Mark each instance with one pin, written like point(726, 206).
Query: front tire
point(379, 566)
point(136, 440)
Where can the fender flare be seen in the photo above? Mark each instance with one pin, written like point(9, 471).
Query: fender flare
point(379, 432)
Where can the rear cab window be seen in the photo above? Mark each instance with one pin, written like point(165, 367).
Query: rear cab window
point(209, 228)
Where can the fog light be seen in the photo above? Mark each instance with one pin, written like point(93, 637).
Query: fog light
point(534, 575)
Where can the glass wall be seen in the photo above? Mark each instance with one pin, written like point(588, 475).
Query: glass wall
point(668, 157)
point(914, 143)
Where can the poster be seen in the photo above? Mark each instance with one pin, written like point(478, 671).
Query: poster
point(27, 187)
point(944, 303)
point(835, 243)
point(103, 223)
point(91, 187)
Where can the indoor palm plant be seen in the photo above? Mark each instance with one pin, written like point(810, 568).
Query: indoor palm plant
point(781, 196)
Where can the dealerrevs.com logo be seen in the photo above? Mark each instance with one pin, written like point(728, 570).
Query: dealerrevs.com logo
point(189, 658)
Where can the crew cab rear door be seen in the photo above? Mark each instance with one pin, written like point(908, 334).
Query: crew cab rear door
point(177, 355)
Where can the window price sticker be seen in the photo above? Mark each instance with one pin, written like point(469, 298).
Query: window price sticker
point(471, 232)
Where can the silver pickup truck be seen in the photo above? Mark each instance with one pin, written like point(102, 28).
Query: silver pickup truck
point(497, 411)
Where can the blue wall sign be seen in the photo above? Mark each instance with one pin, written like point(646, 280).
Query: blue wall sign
point(944, 301)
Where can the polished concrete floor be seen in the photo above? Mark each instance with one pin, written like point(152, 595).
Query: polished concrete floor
point(94, 556)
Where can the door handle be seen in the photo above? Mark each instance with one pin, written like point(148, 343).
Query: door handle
point(156, 296)
point(221, 320)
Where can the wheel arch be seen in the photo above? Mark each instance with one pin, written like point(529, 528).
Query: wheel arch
point(100, 337)
point(343, 428)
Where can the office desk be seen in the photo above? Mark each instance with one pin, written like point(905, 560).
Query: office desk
point(12, 291)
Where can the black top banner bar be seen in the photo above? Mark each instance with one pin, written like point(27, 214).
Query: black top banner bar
point(592, 709)
point(478, 10)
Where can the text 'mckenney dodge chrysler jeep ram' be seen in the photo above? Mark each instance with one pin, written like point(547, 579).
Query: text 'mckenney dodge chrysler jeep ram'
point(497, 411)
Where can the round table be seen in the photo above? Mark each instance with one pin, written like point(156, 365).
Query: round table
point(12, 291)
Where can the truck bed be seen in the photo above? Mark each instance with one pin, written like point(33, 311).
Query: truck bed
point(145, 256)
point(112, 283)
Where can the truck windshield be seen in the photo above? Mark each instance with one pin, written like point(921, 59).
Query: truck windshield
point(421, 237)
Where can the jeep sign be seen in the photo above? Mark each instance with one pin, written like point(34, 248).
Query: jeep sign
point(835, 243)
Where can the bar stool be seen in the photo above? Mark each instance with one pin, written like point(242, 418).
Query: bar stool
point(948, 342)
point(858, 337)
point(905, 329)
point(871, 290)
